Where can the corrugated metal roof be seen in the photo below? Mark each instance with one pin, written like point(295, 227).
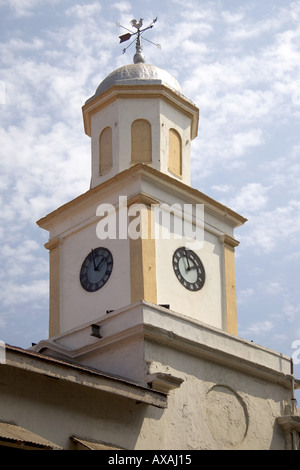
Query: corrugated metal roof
point(92, 445)
point(17, 434)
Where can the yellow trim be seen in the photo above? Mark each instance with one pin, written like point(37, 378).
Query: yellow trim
point(175, 152)
point(141, 141)
point(51, 244)
point(141, 198)
point(142, 259)
point(105, 151)
point(54, 287)
point(230, 286)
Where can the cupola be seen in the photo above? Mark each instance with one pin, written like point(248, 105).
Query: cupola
point(139, 114)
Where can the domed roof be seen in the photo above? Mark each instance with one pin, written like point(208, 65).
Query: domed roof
point(139, 74)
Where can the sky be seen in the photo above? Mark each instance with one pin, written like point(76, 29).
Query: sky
point(238, 61)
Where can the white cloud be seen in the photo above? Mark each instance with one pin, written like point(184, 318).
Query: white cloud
point(122, 6)
point(252, 28)
point(245, 294)
point(3, 99)
point(258, 329)
point(251, 198)
point(268, 228)
point(251, 31)
point(247, 89)
point(232, 18)
point(25, 251)
point(243, 141)
point(86, 11)
point(222, 188)
point(274, 287)
point(17, 45)
point(26, 7)
point(20, 257)
point(291, 312)
point(47, 168)
point(12, 293)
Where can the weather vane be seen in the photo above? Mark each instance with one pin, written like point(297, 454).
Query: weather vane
point(138, 56)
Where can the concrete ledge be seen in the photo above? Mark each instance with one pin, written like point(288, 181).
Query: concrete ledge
point(81, 375)
point(125, 331)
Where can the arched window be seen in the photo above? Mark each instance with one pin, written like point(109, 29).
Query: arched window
point(141, 141)
point(105, 151)
point(175, 153)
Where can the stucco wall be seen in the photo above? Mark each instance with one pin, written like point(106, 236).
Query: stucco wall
point(214, 408)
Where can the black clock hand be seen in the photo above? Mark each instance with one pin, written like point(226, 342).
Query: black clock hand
point(187, 259)
point(94, 262)
point(193, 267)
point(99, 264)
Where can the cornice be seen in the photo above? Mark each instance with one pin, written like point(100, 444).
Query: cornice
point(196, 339)
point(95, 104)
point(144, 171)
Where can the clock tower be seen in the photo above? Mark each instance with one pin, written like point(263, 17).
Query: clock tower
point(143, 318)
point(142, 255)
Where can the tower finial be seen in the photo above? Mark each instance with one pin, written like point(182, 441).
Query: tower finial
point(138, 56)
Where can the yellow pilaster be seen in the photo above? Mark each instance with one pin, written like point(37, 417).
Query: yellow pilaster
point(230, 284)
point(54, 286)
point(142, 257)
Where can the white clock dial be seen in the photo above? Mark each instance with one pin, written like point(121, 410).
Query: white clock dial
point(188, 269)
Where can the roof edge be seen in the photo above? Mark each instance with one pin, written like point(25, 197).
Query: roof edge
point(144, 169)
point(82, 375)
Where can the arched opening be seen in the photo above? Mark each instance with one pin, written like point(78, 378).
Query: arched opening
point(175, 152)
point(141, 141)
point(105, 151)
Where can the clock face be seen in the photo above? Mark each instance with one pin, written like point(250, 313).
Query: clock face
point(96, 269)
point(188, 269)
